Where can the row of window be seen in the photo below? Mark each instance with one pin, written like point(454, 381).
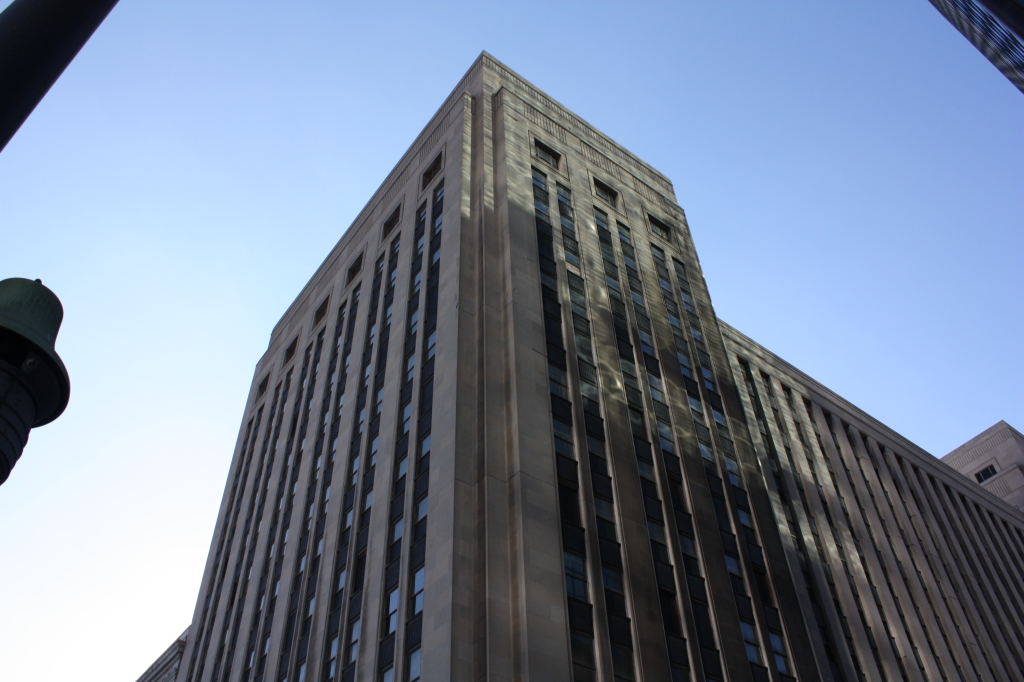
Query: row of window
point(602, 190)
point(299, 619)
point(672, 627)
point(657, 390)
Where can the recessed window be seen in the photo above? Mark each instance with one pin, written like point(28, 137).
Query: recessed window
point(321, 312)
point(289, 352)
point(262, 388)
point(354, 269)
point(391, 221)
point(605, 193)
point(432, 171)
point(547, 154)
point(750, 641)
point(659, 228)
point(986, 473)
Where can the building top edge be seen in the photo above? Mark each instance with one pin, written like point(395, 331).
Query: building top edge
point(373, 207)
point(985, 440)
point(368, 213)
point(523, 86)
point(855, 414)
point(825, 391)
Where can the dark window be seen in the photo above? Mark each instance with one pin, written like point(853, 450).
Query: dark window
point(750, 641)
point(354, 270)
point(391, 222)
point(262, 388)
point(289, 352)
point(547, 154)
point(659, 228)
point(321, 312)
point(575, 576)
point(605, 192)
point(432, 170)
point(986, 473)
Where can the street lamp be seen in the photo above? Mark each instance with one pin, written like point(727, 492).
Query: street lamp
point(34, 385)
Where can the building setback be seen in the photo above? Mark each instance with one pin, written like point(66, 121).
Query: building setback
point(501, 435)
point(994, 459)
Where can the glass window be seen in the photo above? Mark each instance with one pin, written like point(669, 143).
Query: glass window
point(332, 658)
point(706, 452)
point(779, 649)
point(547, 154)
point(659, 228)
point(353, 641)
point(414, 666)
point(392, 618)
point(604, 192)
point(575, 576)
point(985, 474)
point(612, 579)
point(431, 342)
point(417, 591)
point(604, 509)
point(750, 640)
point(684, 364)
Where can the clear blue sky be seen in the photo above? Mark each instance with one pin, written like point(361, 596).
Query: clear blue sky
point(852, 173)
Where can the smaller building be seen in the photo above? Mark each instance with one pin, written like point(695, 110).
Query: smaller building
point(995, 459)
point(165, 668)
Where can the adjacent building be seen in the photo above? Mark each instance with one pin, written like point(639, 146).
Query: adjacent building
point(995, 460)
point(995, 27)
point(165, 668)
point(502, 435)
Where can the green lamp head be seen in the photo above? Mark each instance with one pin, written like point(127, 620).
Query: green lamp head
point(30, 317)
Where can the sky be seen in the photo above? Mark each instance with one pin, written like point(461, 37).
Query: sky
point(851, 173)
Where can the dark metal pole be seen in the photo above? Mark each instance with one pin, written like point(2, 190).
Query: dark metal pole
point(38, 39)
point(34, 385)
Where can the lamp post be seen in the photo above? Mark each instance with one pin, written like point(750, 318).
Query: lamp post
point(38, 39)
point(34, 385)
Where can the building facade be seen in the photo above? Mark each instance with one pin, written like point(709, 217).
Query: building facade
point(995, 27)
point(909, 570)
point(502, 435)
point(995, 460)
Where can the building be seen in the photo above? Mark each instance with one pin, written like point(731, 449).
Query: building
point(995, 27)
point(904, 564)
point(995, 459)
point(165, 668)
point(501, 435)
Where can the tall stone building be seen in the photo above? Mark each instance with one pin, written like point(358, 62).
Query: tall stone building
point(501, 435)
point(995, 460)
